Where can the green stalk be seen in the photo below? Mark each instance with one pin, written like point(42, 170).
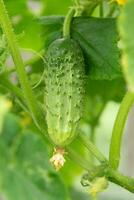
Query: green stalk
point(119, 179)
point(13, 45)
point(92, 148)
point(79, 159)
point(113, 176)
point(27, 62)
point(92, 135)
point(92, 139)
point(101, 11)
point(67, 23)
point(89, 6)
point(112, 10)
point(10, 87)
point(115, 146)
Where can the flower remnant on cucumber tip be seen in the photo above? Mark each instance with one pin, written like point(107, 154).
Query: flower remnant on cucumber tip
point(58, 159)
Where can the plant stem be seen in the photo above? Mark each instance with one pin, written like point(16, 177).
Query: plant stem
point(67, 23)
point(77, 2)
point(115, 146)
point(9, 86)
point(92, 135)
point(92, 139)
point(92, 148)
point(78, 159)
point(123, 181)
point(112, 10)
point(27, 62)
point(101, 9)
point(13, 45)
point(113, 176)
point(89, 6)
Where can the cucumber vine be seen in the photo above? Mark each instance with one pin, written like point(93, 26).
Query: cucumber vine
point(67, 23)
point(13, 45)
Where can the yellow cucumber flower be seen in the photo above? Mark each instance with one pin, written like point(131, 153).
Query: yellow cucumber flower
point(98, 185)
point(121, 2)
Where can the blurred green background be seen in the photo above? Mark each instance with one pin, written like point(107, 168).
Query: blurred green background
point(25, 171)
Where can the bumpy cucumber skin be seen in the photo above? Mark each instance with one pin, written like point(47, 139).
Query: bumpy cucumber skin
point(64, 83)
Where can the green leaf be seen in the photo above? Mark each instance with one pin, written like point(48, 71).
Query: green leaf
point(98, 93)
point(17, 186)
point(106, 89)
point(126, 29)
point(52, 28)
point(28, 174)
point(98, 39)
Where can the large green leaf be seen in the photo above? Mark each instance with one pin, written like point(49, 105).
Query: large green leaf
point(98, 93)
point(106, 89)
point(25, 171)
point(126, 28)
point(98, 40)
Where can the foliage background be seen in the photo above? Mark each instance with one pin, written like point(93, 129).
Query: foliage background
point(25, 172)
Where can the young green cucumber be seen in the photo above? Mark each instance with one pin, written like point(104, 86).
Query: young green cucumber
point(64, 84)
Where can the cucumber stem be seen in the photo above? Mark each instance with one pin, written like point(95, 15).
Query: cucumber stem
point(92, 148)
point(115, 146)
point(67, 23)
point(85, 164)
point(119, 179)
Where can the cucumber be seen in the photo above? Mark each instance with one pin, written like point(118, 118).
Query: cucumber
point(64, 90)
